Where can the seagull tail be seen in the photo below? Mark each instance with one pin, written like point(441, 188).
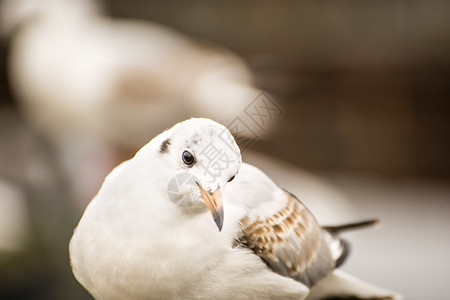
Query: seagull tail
point(351, 226)
point(340, 285)
point(340, 247)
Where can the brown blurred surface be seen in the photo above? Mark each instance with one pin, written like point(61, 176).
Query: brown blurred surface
point(365, 86)
point(365, 89)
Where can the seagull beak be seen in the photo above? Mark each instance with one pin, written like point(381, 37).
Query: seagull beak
point(214, 203)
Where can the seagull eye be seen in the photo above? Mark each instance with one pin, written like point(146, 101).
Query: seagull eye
point(188, 158)
point(231, 179)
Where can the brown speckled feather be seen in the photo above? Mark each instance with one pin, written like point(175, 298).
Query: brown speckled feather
point(290, 242)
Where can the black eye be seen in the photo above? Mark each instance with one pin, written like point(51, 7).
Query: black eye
point(231, 179)
point(188, 158)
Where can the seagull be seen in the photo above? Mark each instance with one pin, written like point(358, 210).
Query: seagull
point(240, 236)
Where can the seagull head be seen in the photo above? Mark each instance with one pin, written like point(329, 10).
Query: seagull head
point(199, 157)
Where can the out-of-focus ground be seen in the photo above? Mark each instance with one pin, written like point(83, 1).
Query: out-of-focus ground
point(408, 253)
point(365, 90)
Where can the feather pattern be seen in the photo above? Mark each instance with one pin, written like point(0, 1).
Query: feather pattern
point(290, 242)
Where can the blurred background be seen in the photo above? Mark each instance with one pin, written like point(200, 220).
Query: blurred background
point(363, 90)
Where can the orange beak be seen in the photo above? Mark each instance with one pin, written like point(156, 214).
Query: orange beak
point(215, 205)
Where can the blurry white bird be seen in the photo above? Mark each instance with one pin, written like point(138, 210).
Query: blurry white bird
point(77, 73)
point(94, 84)
point(133, 242)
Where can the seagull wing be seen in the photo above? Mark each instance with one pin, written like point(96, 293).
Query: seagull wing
point(290, 242)
point(283, 232)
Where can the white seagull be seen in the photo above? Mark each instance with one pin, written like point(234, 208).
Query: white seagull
point(135, 241)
